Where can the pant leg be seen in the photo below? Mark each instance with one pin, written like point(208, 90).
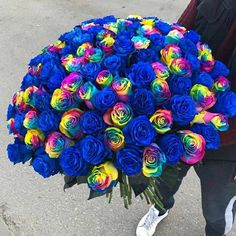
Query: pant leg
point(169, 184)
point(218, 195)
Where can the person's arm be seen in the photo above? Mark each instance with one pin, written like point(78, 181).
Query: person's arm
point(188, 17)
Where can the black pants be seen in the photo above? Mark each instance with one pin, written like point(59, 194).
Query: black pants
point(218, 188)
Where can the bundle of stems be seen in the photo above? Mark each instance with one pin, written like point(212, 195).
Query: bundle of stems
point(151, 194)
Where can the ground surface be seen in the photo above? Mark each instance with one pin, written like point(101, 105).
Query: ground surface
point(32, 206)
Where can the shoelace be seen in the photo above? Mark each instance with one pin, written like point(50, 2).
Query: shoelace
point(151, 217)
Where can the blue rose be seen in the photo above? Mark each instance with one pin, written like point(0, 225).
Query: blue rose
point(11, 112)
point(183, 109)
point(72, 162)
point(93, 150)
point(108, 19)
point(90, 71)
point(129, 160)
point(123, 46)
point(226, 103)
point(55, 79)
point(43, 58)
point(180, 85)
point(143, 102)
point(132, 28)
point(101, 21)
point(209, 133)
point(193, 36)
point(164, 27)
point(18, 152)
point(194, 62)
point(51, 75)
point(188, 47)
point(139, 131)
point(44, 165)
point(48, 121)
point(91, 123)
point(146, 55)
point(68, 49)
point(104, 99)
point(76, 37)
point(173, 148)
point(157, 40)
point(29, 80)
point(19, 119)
point(42, 101)
point(141, 74)
point(220, 69)
point(203, 78)
point(112, 63)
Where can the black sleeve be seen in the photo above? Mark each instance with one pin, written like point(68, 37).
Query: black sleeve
point(214, 18)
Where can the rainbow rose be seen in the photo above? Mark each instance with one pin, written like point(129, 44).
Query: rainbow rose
point(86, 91)
point(114, 138)
point(173, 37)
point(169, 53)
point(103, 177)
point(56, 46)
point(69, 124)
point(160, 70)
point(56, 143)
point(34, 138)
point(194, 146)
point(31, 120)
point(62, 100)
point(219, 121)
point(71, 63)
point(203, 97)
point(206, 58)
point(140, 42)
point(181, 67)
point(119, 115)
point(18, 101)
point(104, 78)
point(107, 44)
point(85, 50)
point(153, 160)
point(162, 121)
point(29, 95)
point(123, 88)
point(221, 84)
point(161, 91)
point(72, 82)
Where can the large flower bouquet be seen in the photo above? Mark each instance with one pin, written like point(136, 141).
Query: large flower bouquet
point(116, 100)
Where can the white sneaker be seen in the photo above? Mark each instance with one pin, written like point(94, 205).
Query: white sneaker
point(147, 225)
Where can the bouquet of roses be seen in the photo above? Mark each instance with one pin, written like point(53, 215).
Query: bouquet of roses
point(116, 100)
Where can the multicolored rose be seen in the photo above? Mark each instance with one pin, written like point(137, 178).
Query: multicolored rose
point(103, 177)
point(162, 121)
point(194, 146)
point(69, 124)
point(153, 160)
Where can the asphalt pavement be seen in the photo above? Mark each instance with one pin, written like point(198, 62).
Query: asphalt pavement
point(33, 206)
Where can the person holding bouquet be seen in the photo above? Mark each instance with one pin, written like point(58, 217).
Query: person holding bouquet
point(215, 21)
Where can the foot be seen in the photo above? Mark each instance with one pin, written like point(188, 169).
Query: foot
point(147, 225)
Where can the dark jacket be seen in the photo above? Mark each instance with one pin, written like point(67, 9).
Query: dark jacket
point(215, 20)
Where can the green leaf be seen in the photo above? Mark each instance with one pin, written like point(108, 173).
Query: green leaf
point(69, 181)
point(81, 179)
point(94, 194)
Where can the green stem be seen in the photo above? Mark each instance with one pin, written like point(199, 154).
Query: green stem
point(146, 197)
point(141, 196)
point(110, 196)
